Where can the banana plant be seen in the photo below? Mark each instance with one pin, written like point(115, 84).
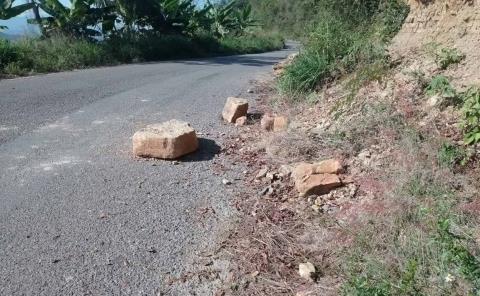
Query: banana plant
point(221, 18)
point(8, 11)
point(242, 19)
point(82, 19)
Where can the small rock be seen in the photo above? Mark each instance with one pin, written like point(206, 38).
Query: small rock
point(261, 173)
point(307, 270)
point(250, 91)
point(280, 123)
point(267, 122)
point(274, 123)
point(226, 182)
point(267, 191)
point(270, 176)
point(285, 169)
point(168, 140)
point(241, 121)
point(234, 109)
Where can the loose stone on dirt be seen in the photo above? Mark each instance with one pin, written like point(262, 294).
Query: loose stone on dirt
point(318, 178)
point(307, 270)
point(274, 123)
point(234, 109)
point(241, 121)
point(168, 140)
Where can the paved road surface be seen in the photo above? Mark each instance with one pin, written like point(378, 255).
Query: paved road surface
point(78, 214)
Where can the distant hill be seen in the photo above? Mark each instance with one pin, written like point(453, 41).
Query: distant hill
point(9, 36)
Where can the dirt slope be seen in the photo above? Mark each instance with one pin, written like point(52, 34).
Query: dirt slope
point(452, 23)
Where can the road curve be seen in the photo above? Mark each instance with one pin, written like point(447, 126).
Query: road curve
point(78, 214)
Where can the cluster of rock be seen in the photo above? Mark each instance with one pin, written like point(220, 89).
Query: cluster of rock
point(174, 139)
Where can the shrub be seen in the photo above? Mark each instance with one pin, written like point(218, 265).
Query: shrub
point(471, 115)
point(348, 35)
point(440, 85)
point(448, 56)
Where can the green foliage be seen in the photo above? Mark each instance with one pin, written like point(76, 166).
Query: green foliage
point(458, 254)
point(449, 155)
point(471, 115)
point(347, 35)
point(444, 56)
point(440, 85)
point(8, 10)
point(59, 53)
point(415, 251)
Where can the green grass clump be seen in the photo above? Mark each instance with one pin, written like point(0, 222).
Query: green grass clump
point(450, 155)
point(50, 55)
point(347, 35)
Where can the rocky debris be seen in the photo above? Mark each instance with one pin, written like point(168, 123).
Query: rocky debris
point(274, 123)
point(226, 182)
point(168, 140)
point(234, 109)
point(241, 121)
point(307, 270)
point(333, 201)
point(318, 178)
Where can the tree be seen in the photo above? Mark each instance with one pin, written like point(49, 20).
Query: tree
point(82, 19)
point(8, 11)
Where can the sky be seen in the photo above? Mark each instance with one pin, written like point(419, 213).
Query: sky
point(19, 26)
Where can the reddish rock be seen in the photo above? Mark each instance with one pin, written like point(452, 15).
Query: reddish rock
point(318, 178)
point(267, 122)
point(317, 184)
point(168, 140)
point(280, 123)
point(234, 109)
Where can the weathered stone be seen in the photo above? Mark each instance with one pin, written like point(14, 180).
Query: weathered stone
point(267, 122)
point(318, 178)
point(168, 140)
point(329, 166)
point(317, 184)
point(307, 270)
point(234, 109)
point(241, 121)
point(280, 123)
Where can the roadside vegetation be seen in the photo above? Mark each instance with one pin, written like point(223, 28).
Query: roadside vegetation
point(409, 136)
point(92, 33)
point(341, 37)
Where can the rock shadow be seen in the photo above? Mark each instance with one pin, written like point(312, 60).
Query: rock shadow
point(207, 149)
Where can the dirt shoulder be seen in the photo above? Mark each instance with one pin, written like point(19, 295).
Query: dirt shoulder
point(405, 218)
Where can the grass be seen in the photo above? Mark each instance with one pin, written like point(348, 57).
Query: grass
point(422, 245)
point(60, 53)
point(347, 36)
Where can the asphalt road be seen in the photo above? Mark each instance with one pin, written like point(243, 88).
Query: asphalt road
point(79, 215)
